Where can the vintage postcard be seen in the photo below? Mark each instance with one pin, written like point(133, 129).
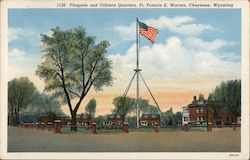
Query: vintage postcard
point(128, 79)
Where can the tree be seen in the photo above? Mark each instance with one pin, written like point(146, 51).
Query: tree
point(72, 65)
point(124, 105)
point(46, 104)
point(21, 93)
point(131, 121)
point(153, 110)
point(91, 107)
point(99, 120)
point(227, 94)
point(143, 105)
point(169, 114)
point(43, 104)
point(177, 118)
point(201, 97)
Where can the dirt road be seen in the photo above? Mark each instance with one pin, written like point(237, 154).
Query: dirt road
point(32, 140)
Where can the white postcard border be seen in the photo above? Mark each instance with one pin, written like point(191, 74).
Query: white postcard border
point(244, 154)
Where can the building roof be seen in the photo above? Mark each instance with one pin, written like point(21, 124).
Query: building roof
point(112, 116)
point(150, 116)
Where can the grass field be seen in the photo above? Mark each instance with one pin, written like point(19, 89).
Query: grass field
point(144, 140)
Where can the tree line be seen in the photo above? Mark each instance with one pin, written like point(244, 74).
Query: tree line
point(227, 95)
point(26, 103)
point(127, 105)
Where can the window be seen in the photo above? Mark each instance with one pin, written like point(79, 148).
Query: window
point(198, 110)
point(185, 118)
point(200, 102)
point(185, 111)
point(201, 118)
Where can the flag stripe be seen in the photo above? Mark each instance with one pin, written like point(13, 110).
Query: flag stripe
point(150, 33)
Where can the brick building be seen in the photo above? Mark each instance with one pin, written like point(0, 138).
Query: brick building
point(199, 112)
point(150, 119)
point(115, 119)
point(83, 119)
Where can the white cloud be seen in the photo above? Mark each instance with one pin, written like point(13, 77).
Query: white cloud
point(127, 32)
point(14, 33)
point(198, 43)
point(190, 29)
point(15, 71)
point(20, 64)
point(175, 61)
point(181, 24)
point(17, 54)
point(164, 21)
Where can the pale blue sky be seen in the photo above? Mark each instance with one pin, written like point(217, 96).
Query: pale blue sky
point(101, 23)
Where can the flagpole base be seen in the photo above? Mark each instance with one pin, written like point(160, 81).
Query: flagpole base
point(137, 70)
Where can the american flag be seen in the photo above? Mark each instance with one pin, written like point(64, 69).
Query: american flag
point(147, 31)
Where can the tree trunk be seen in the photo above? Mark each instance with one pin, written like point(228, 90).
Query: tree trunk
point(11, 117)
point(18, 116)
point(123, 118)
point(207, 116)
point(73, 121)
point(15, 117)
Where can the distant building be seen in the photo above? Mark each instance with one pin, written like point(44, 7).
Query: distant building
point(83, 119)
point(199, 112)
point(185, 115)
point(115, 119)
point(150, 119)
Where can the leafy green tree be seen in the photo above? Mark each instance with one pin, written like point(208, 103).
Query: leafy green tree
point(46, 104)
point(72, 65)
point(131, 121)
point(177, 118)
point(227, 94)
point(153, 110)
point(143, 105)
point(43, 104)
point(201, 97)
point(169, 114)
point(99, 120)
point(124, 105)
point(91, 107)
point(21, 93)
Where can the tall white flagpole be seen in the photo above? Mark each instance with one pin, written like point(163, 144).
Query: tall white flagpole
point(137, 70)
